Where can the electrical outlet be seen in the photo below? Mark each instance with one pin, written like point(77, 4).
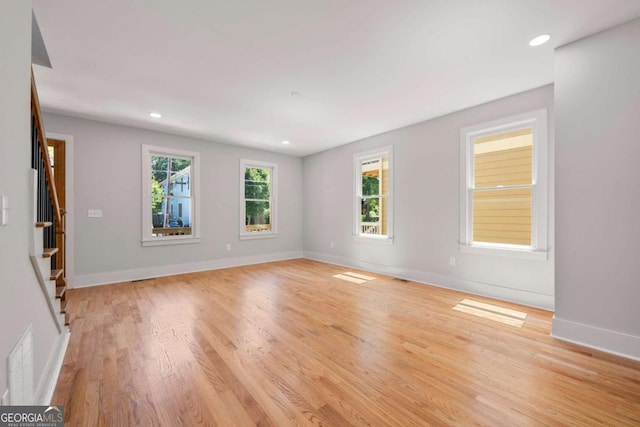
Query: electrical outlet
point(228, 246)
point(5, 398)
point(332, 245)
point(452, 261)
point(94, 213)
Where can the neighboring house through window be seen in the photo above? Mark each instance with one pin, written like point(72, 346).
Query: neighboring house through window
point(170, 196)
point(504, 186)
point(373, 209)
point(258, 209)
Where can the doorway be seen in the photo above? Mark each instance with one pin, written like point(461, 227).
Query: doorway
point(57, 157)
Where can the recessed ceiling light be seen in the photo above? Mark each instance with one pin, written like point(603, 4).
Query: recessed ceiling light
point(542, 39)
point(155, 115)
point(286, 142)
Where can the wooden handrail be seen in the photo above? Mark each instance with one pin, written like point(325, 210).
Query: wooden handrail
point(42, 140)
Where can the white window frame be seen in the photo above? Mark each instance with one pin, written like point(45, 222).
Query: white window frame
point(273, 200)
point(358, 159)
point(147, 224)
point(537, 121)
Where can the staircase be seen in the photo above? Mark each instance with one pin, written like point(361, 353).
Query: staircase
point(47, 245)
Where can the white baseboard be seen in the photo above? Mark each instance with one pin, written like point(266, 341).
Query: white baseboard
point(532, 299)
point(81, 281)
point(606, 340)
point(49, 379)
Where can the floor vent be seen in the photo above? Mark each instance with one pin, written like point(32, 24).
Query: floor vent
point(496, 313)
point(399, 279)
point(21, 371)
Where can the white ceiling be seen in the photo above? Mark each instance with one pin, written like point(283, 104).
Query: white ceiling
point(225, 70)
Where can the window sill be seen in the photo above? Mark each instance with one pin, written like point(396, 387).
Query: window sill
point(504, 252)
point(258, 236)
point(379, 240)
point(170, 241)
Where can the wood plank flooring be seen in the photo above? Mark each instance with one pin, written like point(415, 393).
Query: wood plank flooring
point(287, 344)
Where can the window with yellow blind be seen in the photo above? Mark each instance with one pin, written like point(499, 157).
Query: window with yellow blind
point(504, 199)
point(373, 207)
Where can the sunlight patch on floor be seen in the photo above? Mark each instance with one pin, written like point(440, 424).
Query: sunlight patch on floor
point(354, 277)
point(496, 313)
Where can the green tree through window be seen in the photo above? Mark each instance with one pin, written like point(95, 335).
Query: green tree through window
point(257, 194)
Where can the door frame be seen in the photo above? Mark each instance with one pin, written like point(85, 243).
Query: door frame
point(70, 216)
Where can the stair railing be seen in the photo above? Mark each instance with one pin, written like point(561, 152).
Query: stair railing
point(48, 205)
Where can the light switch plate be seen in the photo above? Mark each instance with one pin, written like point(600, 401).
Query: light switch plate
point(4, 210)
point(94, 213)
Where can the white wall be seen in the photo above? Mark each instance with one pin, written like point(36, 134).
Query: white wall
point(22, 302)
point(597, 186)
point(107, 176)
point(426, 162)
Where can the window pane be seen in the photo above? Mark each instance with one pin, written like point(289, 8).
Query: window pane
point(257, 183)
point(172, 217)
point(371, 216)
point(504, 159)
point(180, 177)
point(158, 184)
point(179, 165)
point(371, 177)
point(258, 216)
point(159, 164)
point(502, 216)
point(181, 183)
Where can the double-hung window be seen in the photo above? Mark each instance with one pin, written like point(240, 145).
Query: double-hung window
point(504, 186)
point(258, 210)
point(170, 191)
point(373, 207)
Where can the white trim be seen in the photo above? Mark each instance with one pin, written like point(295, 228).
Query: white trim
point(263, 235)
point(49, 378)
point(532, 299)
point(70, 205)
point(373, 239)
point(147, 224)
point(358, 158)
point(273, 200)
point(601, 339)
point(164, 241)
point(537, 120)
point(170, 270)
point(505, 251)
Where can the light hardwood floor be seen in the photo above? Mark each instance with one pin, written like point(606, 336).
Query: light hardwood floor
point(286, 344)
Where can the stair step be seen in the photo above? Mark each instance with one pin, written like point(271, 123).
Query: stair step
point(60, 291)
point(48, 252)
point(55, 274)
point(67, 319)
point(64, 306)
point(43, 224)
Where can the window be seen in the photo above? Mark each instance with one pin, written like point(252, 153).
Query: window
point(373, 209)
point(504, 195)
point(258, 202)
point(170, 196)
